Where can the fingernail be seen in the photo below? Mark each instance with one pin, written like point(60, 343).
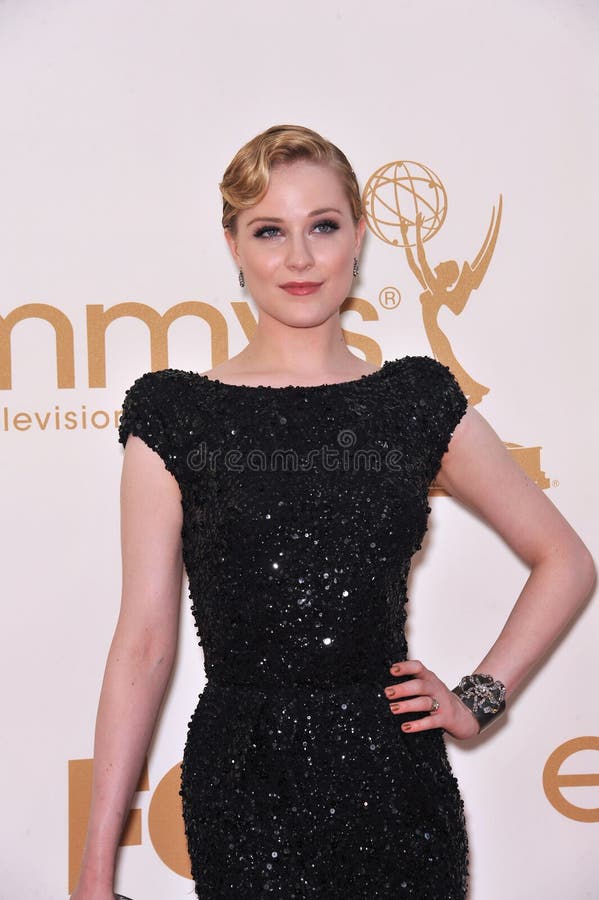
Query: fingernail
point(396, 669)
point(406, 726)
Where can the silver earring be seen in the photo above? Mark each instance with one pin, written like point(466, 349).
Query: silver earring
point(356, 266)
point(241, 278)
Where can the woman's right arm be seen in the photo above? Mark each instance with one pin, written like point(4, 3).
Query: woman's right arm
point(141, 656)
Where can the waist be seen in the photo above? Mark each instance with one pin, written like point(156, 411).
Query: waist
point(266, 686)
point(282, 673)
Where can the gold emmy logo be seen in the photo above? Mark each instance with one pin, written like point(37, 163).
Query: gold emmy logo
point(405, 205)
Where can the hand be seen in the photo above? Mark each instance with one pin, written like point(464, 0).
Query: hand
point(422, 688)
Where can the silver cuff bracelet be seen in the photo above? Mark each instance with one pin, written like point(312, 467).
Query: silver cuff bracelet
point(484, 697)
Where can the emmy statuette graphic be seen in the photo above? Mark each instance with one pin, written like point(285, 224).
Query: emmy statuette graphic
point(405, 205)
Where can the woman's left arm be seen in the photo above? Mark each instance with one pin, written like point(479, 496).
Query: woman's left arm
point(478, 470)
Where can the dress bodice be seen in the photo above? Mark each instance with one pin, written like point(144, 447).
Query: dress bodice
point(302, 509)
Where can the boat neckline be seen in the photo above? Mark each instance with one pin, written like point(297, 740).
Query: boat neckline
point(295, 387)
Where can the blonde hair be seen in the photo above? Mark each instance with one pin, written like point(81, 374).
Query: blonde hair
point(247, 176)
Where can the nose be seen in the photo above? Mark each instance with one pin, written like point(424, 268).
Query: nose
point(299, 254)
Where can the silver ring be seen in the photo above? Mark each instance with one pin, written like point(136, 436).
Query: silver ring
point(435, 705)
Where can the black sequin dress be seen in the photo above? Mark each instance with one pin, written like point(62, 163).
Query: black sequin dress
point(302, 509)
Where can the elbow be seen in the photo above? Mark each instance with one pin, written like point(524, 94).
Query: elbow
point(157, 655)
point(150, 653)
point(585, 571)
point(572, 566)
point(588, 570)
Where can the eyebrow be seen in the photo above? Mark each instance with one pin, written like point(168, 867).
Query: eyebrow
point(315, 212)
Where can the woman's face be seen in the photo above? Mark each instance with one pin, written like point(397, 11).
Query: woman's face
point(300, 233)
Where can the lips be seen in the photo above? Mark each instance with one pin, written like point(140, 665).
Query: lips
point(301, 287)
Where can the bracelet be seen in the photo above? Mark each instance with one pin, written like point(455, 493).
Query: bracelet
point(483, 696)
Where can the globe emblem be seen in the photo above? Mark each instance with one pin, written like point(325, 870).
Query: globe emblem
point(395, 194)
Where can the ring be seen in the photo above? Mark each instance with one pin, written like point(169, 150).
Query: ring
point(435, 706)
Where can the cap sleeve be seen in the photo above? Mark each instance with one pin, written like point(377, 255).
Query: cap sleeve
point(146, 413)
point(443, 404)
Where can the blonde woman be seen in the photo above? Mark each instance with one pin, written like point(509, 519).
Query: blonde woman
point(291, 481)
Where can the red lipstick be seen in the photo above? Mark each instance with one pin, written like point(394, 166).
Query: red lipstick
point(299, 288)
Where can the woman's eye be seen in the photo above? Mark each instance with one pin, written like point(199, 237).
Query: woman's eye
point(266, 231)
point(328, 225)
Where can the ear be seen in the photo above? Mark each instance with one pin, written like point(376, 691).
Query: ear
point(360, 229)
point(232, 242)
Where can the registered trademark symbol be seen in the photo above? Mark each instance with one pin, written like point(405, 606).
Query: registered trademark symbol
point(389, 297)
point(555, 483)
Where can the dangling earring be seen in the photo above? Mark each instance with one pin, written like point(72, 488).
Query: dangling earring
point(241, 278)
point(356, 266)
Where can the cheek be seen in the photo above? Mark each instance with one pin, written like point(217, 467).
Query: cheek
point(338, 258)
point(263, 263)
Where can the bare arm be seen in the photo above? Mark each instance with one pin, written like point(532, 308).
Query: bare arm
point(141, 655)
point(478, 470)
point(562, 570)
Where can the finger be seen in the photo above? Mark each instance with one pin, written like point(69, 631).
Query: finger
point(425, 724)
point(412, 688)
point(407, 667)
point(418, 704)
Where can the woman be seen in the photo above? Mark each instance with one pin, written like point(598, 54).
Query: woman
point(292, 483)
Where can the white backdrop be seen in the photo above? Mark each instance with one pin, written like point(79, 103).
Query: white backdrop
point(117, 122)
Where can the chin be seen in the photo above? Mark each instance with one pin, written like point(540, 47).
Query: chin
point(307, 316)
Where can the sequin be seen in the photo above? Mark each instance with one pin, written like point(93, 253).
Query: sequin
point(302, 509)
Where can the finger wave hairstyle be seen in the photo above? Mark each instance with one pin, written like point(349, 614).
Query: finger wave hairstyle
point(247, 176)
